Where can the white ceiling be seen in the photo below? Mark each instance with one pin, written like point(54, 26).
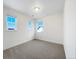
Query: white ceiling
point(47, 7)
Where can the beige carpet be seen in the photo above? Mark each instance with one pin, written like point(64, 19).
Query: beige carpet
point(35, 49)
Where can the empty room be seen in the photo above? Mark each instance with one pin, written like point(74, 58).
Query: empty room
point(39, 29)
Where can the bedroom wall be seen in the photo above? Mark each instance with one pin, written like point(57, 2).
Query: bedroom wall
point(53, 29)
point(19, 36)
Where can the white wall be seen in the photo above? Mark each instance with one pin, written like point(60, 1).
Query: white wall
point(70, 29)
point(21, 35)
point(53, 29)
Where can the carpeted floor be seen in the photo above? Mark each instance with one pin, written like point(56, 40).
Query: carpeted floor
point(35, 49)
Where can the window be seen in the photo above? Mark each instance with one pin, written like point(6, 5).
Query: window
point(11, 23)
point(39, 26)
point(30, 25)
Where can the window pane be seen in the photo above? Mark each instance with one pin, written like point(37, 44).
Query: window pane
point(39, 25)
point(30, 25)
point(11, 23)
